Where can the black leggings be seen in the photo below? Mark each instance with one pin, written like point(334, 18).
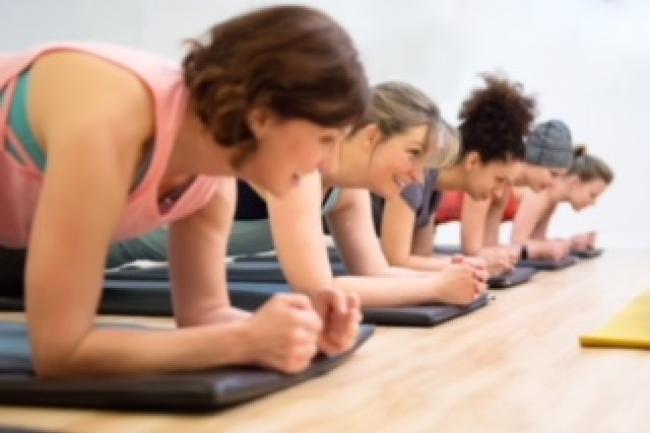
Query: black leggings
point(12, 271)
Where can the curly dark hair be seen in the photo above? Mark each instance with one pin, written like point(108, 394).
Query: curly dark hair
point(294, 60)
point(496, 119)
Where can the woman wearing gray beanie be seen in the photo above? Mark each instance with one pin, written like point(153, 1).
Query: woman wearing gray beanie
point(580, 186)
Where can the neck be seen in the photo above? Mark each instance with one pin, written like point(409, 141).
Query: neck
point(561, 193)
point(195, 152)
point(521, 179)
point(352, 168)
point(452, 178)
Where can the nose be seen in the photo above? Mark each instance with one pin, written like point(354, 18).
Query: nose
point(417, 173)
point(327, 157)
point(497, 193)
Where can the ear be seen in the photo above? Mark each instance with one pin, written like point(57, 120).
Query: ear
point(258, 120)
point(572, 180)
point(472, 161)
point(371, 135)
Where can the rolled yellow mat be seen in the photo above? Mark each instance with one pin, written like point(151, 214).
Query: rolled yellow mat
point(629, 329)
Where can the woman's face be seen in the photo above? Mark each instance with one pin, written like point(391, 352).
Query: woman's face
point(539, 178)
point(584, 194)
point(287, 150)
point(397, 161)
point(484, 181)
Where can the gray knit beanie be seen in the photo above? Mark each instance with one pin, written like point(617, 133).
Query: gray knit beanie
point(550, 145)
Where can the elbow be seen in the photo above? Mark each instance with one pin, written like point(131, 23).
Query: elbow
point(397, 260)
point(55, 361)
point(50, 367)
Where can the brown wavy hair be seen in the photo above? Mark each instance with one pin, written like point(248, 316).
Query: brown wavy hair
point(294, 60)
point(496, 119)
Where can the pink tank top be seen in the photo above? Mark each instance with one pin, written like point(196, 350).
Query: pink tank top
point(20, 184)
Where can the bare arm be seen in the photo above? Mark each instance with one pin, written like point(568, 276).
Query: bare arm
point(93, 119)
point(531, 225)
point(298, 236)
point(532, 217)
point(423, 239)
point(473, 224)
point(494, 218)
point(197, 253)
point(397, 238)
point(297, 233)
point(355, 237)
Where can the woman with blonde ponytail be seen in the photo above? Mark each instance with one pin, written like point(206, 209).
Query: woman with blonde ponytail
point(495, 120)
point(401, 135)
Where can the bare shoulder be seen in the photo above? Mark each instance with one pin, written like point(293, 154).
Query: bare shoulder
point(352, 198)
point(72, 92)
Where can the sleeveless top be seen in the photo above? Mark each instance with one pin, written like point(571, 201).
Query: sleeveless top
point(21, 179)
point(451, 207)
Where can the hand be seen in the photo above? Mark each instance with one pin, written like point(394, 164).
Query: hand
point(552, 249)
point(341, 315)
point(583, 242)
point(477, 264)
point(456, 284)
point(499, 260)
point(514, 253)
point(284, 333)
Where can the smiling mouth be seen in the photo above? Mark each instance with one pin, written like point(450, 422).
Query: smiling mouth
point(400, 182)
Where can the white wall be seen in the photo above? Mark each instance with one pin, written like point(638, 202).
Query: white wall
point(588, 62)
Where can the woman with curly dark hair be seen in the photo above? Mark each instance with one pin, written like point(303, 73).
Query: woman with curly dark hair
point(495, 120)
point(548, 156)
point(102, 144)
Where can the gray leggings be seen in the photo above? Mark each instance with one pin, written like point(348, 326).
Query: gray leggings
point(12, 271)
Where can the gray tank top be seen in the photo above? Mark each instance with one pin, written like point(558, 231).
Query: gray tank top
point(423, 198)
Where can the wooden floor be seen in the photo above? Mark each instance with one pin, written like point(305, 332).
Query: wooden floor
point(514, 366)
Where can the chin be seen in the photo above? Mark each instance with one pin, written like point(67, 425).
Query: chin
point(388, 193)
point(276, 190)
point(538, 188)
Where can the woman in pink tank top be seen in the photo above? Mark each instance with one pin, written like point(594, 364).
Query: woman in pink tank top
point(132, 142)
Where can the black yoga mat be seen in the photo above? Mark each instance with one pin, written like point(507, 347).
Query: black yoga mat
point(589, 254)
point(153, 298)
point(270, 271)
point(237, 271)
point(518, 276)
point(206, 390)
point(549, 265)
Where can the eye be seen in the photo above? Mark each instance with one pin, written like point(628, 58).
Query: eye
point(327, 140)
point(414, 153)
